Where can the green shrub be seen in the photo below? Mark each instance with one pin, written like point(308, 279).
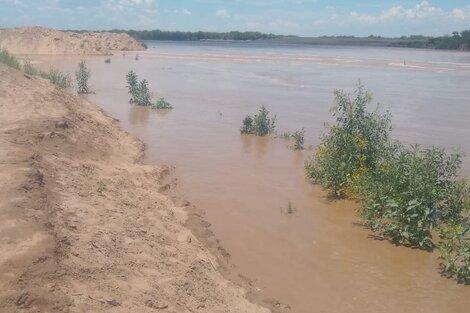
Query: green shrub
point(82, 76)
point(9, 59)
point(140, 93)
point(261, 124)
point(298, 137)
point(352, 146)
point(57, 78)
point(412, 192)
point(407, 194)
point(162, 104)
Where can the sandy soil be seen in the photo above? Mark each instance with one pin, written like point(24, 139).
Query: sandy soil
point(40, 40)
point(85, 227)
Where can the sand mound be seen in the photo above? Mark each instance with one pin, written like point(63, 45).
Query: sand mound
point(40, 40)
point(83, 226)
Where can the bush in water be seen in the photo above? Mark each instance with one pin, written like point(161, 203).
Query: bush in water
point(261, 124)
point(298, 137)
point(162, 104)
point(412, 192)
point(140, 93)
point(352, 146)
point(406, 193)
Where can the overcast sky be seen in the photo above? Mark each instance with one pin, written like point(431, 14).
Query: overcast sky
point(298, 17)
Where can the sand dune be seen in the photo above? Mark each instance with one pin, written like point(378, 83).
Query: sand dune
point(40, 40)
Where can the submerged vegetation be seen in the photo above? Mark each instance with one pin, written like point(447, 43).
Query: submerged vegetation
point(408, 195)
point(290, 209)
point(298, 138)
point(260, 125)
point(162, 104)
point(140, 93)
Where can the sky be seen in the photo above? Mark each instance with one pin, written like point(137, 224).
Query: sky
point(287, 17)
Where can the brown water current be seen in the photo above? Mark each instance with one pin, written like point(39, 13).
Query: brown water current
point(318, 259)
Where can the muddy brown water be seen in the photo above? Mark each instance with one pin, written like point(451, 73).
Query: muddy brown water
point(318, 259)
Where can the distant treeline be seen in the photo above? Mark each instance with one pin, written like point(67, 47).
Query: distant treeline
point(194, 36)
point(456, 41)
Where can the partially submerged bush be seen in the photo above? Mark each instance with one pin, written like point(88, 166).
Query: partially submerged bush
point(406, 193)
point(9, 59)
point(261, 124)
point(82, 76)
point(298, 138)
point(140, 93)
point(162, 104)
point(352, 146)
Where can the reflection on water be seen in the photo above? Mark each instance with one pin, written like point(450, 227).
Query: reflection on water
point(318, 259)
point(138, 115)
point(257, 144)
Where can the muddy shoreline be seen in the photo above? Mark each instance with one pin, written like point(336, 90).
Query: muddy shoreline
point(201, 228)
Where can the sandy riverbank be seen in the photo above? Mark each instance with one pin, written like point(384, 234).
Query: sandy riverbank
point(84, 226)
point(47, 41)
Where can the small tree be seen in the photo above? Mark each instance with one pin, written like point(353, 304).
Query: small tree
point(82, 75)
point(133, 86)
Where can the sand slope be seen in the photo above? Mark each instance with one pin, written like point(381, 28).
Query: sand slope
point(83, 226)
point(40, 40)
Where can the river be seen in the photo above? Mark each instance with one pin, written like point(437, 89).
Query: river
point(318, 259)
